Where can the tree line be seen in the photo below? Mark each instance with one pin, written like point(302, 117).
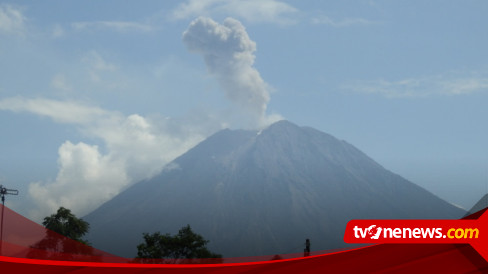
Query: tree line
point(186, 244)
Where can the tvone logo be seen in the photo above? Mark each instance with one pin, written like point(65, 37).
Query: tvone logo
point(372, 232)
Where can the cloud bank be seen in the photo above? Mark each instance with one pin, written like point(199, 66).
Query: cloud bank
point(229, 55)
point(135, 148)
point(448, 84)
point(254, 11)
point(338, 23)
point(119, 26)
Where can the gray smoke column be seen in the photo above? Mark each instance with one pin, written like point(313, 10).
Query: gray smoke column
point(229, 55)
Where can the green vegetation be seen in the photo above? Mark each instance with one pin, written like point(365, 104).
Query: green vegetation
point(67, 224)
point(55, 247)
point(184, 245)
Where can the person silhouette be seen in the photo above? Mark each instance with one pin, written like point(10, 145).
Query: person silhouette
point(306, 251)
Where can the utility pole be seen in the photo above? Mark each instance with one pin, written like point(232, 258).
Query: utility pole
point(4, 191)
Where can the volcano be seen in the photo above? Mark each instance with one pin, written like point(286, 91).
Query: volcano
point(263, 192)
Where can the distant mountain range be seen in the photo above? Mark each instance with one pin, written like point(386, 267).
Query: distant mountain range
point(263, 193)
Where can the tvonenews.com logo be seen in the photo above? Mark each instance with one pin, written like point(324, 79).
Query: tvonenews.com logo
point(465, 231)
point(375, 232)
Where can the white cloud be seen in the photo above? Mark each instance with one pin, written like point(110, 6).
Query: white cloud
point(95, 60)
point(85, 180)
point(229, 55)
point(60, 111)
point(345, 22)
point(57, 31)
point(255, 11)
point(97, 66)
point(11, 19)
point(119, 26)
point(454, 83)
point(464, 85)
point(59, 82)
point(136, 148)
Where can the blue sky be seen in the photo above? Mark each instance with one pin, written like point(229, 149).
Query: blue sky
point(97, 95)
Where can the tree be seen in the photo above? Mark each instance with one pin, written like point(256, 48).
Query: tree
point(63, 239)
point(184, 245)
point(67, 224)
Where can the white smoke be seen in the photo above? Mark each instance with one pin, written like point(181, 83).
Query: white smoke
point(134, 147)
point(229, 55)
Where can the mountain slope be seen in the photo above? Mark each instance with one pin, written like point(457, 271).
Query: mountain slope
point(480, 205)
point(256, 193)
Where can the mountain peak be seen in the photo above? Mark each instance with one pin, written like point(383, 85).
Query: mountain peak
point(257, 193)
point(282, 123)
point(282, 127)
